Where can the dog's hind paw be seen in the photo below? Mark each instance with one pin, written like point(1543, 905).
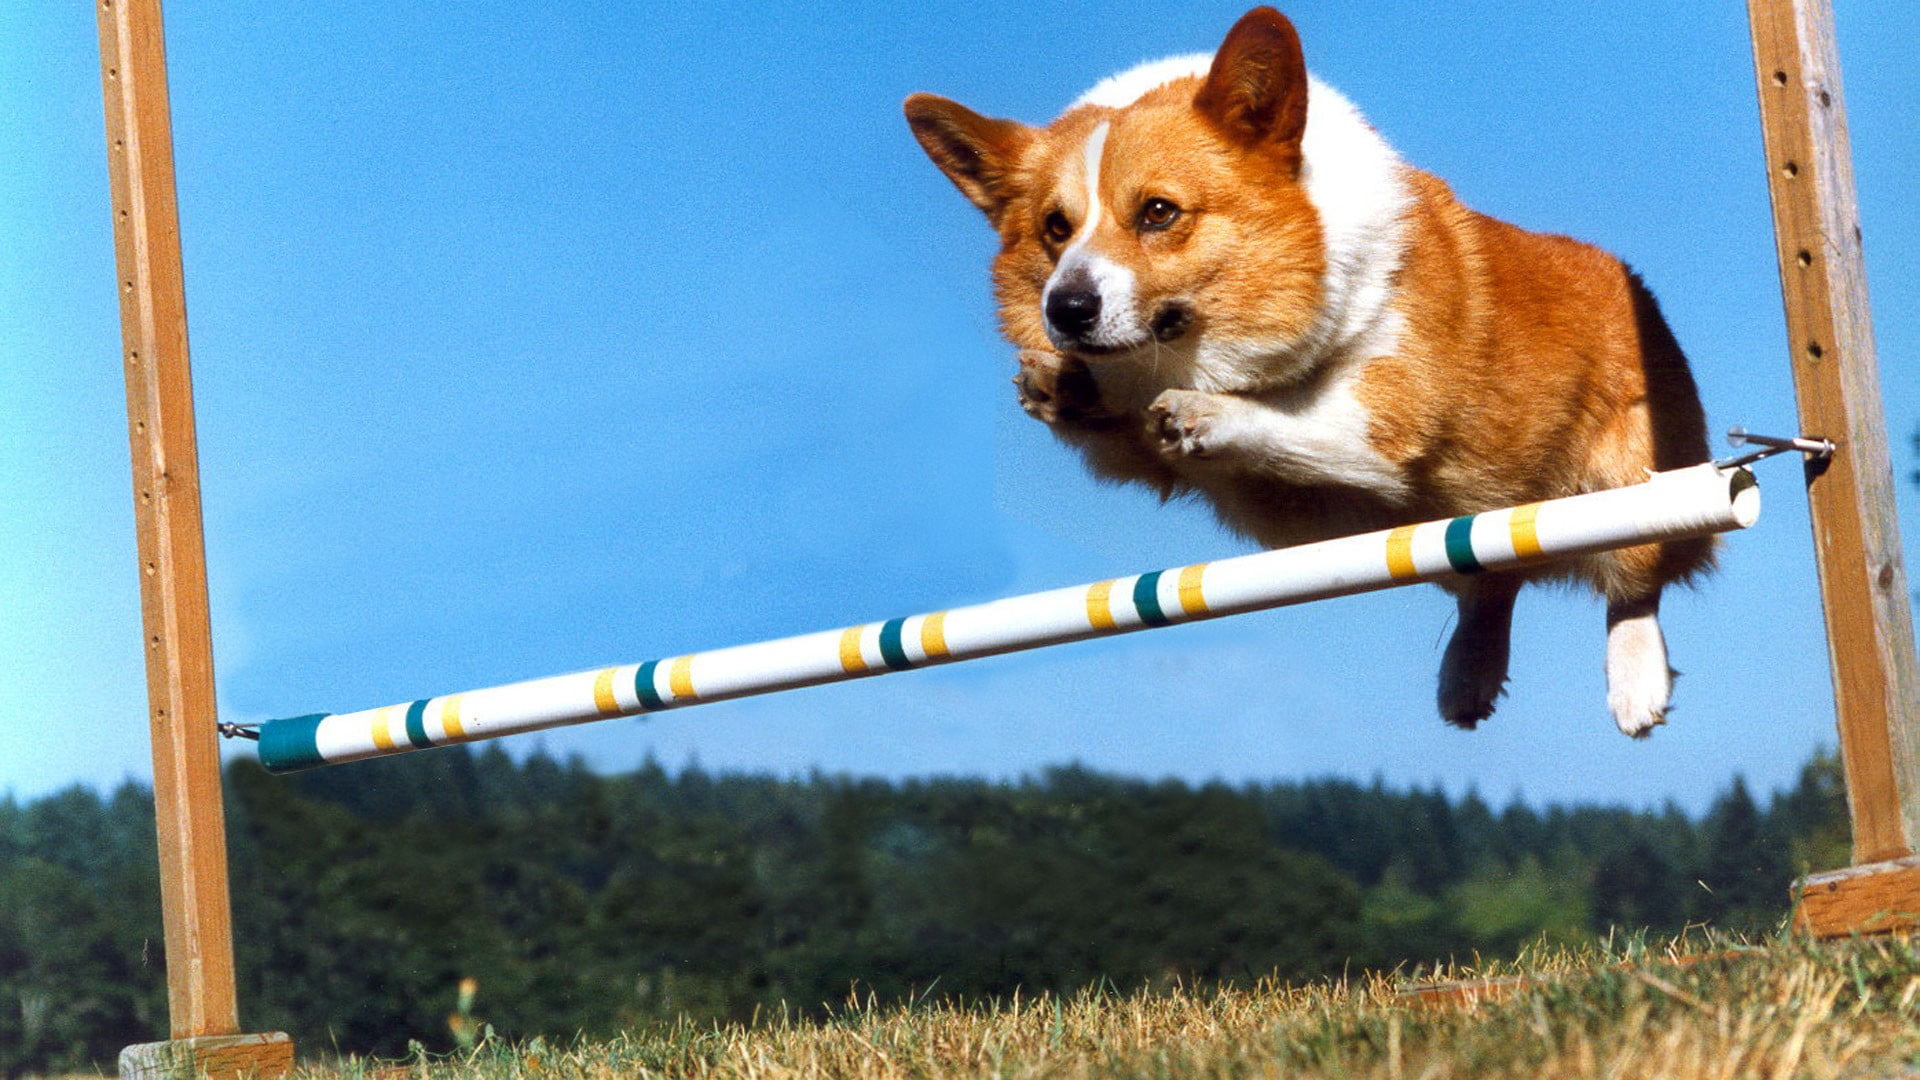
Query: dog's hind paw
point(1639, 682)
point(1467, 697)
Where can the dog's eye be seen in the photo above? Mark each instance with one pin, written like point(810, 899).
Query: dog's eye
point(1057, 226)
point(1158, 214)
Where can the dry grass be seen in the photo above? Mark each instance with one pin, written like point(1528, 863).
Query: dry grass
point(1788, 1009)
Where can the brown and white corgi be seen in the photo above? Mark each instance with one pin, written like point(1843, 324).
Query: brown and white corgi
point(1222, 280)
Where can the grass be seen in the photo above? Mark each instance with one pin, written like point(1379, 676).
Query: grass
point(1786, 1008)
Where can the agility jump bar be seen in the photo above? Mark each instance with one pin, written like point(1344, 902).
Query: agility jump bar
point(1689, 502)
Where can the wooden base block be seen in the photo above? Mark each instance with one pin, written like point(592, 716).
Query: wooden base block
point(216, 1057)
point(1878, 898)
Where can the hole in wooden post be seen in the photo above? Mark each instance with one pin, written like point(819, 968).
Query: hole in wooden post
point(1791, 168)
point(1814, 351)
point(146, 498)
point(113, 73)
point(140, 428)
point(1805, 258)
point(1826, 99)
point(1779, 78)
point(155, 642)
point(127, 285)
point(152, 569)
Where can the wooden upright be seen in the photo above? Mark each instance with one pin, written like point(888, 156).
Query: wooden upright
point(1863, 582)
point(173, 577)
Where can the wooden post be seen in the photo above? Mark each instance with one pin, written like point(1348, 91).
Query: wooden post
point(173, 577)
point(1863, 583)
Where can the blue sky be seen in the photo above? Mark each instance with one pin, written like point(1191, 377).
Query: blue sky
point(555, 335)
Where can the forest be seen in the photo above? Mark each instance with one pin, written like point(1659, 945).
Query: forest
point(575, 902)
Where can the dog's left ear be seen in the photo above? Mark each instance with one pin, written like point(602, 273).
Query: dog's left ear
point(978, 153)
point(1256, 91)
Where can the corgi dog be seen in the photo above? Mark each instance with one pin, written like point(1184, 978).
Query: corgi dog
point(1221, 280)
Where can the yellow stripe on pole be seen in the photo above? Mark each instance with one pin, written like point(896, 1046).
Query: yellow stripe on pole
point(1192, 600)
point(1400, 554)
point(1100, 605)
point(681, 680)
point(382, 729)
point(1524, 529)
point(603, 698)
point(851, 660)
point(933, 635)
point(450, 718)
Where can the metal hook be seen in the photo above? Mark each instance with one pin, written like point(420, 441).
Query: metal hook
point(1816, 449)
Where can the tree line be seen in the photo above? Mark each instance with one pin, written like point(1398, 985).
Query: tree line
point(364, 895)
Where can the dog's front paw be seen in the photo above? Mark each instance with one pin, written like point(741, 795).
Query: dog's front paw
point(1187, 422)
point(1056, 389)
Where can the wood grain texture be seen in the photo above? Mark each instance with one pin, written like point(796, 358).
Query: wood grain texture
point(219, 1057)
point(1878, 898)
point(1863, 581)
point(173, 583)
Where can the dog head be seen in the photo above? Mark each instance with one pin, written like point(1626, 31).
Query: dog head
point(1161, 218)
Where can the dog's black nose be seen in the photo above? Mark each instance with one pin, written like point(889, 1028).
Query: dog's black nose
point(1073, 311)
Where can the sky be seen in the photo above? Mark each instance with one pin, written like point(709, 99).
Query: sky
point(530, 338)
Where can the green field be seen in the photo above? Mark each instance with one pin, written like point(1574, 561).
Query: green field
point(1781, 1009)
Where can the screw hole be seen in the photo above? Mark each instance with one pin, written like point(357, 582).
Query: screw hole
point(1814, 351)
point(1779, 78)
point(1805, 258)
point(1791, 168)
point(1826, 99)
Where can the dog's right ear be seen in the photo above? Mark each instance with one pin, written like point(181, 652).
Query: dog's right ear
point(978, 153)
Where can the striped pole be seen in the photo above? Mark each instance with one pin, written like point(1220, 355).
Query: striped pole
point(1687, 502)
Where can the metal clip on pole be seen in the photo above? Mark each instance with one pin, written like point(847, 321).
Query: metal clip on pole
point(1816, 449)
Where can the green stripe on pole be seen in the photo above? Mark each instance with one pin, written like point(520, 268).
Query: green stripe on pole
point(894, 653)
point(1460, 545)
point(417, 725)
point(287, 745)
point(643, 685)
point(1146, 599)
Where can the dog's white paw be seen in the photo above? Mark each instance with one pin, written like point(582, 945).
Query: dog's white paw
point(1189, 423)
point(1639, 682)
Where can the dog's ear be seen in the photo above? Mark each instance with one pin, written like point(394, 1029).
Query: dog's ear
point(1256, 91)
point(978, 153)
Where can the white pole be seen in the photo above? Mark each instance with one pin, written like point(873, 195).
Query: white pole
point(1687, 502)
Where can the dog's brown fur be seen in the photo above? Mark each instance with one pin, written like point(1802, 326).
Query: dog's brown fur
point(1514, 366)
